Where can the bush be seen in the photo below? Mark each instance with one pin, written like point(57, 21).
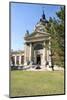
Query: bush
point(14, 67)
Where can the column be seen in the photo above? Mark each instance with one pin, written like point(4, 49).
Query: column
point(44, 54)
point(20, 60)
point(34, 57)
point(15, 60)
point(25, 62)
point(30, 56)
point(49, 53)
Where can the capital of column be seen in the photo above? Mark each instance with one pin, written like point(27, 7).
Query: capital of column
point(30, 44)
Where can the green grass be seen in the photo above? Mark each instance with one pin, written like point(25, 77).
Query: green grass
point(32, 83)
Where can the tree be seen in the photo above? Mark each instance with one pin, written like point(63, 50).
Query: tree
point(61, 30)
point(56, 29)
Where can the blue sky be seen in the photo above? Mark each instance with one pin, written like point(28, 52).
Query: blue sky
point(25, 17)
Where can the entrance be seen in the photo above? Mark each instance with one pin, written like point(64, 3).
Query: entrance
point(38, 59)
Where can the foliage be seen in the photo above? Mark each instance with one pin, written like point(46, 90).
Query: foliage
point(56, 29)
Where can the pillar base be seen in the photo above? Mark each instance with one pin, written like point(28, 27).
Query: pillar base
point(31, 63)
point(25, 63)
point(50, 64)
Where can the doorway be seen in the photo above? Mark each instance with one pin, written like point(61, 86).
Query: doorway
point(38, 59)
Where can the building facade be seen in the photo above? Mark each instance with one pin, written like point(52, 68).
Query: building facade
point(37, 46)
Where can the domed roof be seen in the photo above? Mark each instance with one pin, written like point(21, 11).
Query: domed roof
point(40, 28)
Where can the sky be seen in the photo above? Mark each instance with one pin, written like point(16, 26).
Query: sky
point(25, 17)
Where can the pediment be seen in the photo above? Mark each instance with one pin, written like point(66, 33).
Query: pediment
point(38, 34)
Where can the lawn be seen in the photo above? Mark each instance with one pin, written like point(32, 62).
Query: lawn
point(32, 83)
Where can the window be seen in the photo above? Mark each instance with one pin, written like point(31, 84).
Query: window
point(22, 59)
point(38, 47)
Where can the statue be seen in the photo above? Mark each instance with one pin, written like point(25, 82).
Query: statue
point(27, 33)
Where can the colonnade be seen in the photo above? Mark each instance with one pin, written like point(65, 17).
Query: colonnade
point(19, 60)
